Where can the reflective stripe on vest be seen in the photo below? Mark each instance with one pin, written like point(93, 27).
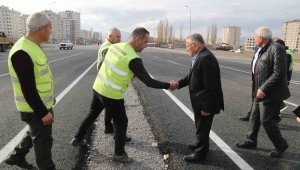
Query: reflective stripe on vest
point(45, 100)
point(107, 82)
point(114, 68)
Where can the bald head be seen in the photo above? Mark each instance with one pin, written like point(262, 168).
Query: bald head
point(114, 35)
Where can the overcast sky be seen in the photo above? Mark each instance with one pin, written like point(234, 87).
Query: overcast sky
point(100, 15)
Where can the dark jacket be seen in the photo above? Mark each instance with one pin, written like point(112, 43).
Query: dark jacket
point(204, 82)
point(270, 73)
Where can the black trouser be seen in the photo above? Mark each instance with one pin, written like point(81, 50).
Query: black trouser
point(115, 109)
point(107, 121)
point(203, 126)
point(40, 137)
point(264, 113)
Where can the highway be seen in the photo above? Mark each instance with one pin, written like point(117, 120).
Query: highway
point(74, 72)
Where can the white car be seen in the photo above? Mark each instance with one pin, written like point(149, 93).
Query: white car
point(65, 45)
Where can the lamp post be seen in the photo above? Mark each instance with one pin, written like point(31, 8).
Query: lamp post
point(51, 17)
point(188, 6)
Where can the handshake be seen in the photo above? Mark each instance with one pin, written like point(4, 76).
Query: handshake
point(173, 85)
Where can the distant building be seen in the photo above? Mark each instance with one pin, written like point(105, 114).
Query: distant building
point(249, 44)
point(23, 20)
point(211, 37)
point(56, 35)
point(96, 37)
point(231, 36)
point(291, 34)
point(10, 22)
point(70, 26)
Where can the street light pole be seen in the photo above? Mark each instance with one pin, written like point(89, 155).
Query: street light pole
point(51, 17)
point(190, 17)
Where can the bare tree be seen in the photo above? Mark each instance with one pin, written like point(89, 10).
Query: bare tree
point(160, 31)
point(180, 32)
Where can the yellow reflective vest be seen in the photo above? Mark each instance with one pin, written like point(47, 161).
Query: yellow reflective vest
point(292, 59)
point(115, 75)
point(103, 47)
point(42, 74)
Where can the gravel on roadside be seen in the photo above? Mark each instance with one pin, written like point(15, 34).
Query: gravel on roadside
point(143, 147)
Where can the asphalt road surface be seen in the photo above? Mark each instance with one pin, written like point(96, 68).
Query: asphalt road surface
point(172, 127)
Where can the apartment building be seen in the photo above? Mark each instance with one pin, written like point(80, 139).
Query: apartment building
point(249, 44)
point(10, 22)
point(231, 35)
point(56, 26)
point(291, 34)
point(70, 26)
point(23, 20)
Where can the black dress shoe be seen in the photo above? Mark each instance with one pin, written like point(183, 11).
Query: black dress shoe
point(76, 142)
point(278, 151)
point(18, 161)
point(245, 118)
point(109, 131)
point(246, 145)
point(127, 139)
point(192, 147)
point(194, 158)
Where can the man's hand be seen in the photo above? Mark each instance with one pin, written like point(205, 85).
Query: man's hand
point(205, 113)
point(173, 85)
point(298, 119)
point(260, 94)
point(48, 119)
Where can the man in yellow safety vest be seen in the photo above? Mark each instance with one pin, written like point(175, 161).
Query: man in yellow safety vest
point(119, 66)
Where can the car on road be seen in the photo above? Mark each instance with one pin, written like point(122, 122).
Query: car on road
point(65, 45)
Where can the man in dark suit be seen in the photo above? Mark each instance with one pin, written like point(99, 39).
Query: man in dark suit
point(269, 88)
point(206, 93)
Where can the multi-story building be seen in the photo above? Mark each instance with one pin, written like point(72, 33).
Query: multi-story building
point(56, 26)
point(291, 34)
point(70, 26)
point(211, 37)
point(231, 36)
point(10, 22)
point(23, 20)
point(249, 44)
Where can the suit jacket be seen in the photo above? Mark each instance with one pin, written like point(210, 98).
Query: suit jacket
point(204, 82)
point(270, 73)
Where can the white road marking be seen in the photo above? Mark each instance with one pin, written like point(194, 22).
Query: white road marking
point(2, 75)
point(3, 61)
point(172, 62)
point(8, 148)
point(240, 162)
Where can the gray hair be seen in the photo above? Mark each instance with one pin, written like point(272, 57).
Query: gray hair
point(263, 32)
point(197, 38)
point(35, 21)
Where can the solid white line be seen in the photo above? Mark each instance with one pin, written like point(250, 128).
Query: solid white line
point(172, 62)
point(240, 162)
point(230, 68)
point(65, 57)
point(290, 103)
point(8, 148)
point(2, 75)
point(3, 61)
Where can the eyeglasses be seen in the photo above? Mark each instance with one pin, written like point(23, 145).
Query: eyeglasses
point(189, 45)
